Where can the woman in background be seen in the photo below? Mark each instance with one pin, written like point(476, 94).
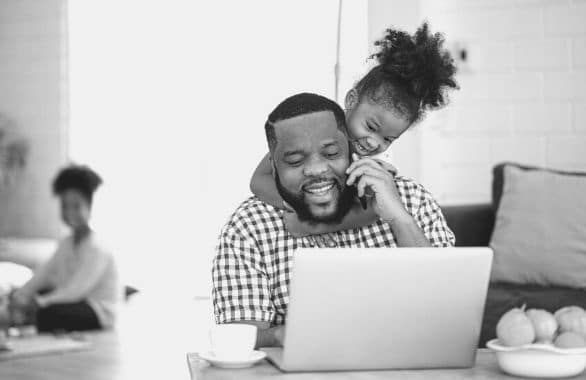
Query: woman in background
point(77, 289)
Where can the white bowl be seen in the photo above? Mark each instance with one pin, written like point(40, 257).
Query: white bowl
point(539, 360)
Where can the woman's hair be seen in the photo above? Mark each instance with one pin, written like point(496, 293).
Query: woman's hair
point(412, 74)
point(76, 177)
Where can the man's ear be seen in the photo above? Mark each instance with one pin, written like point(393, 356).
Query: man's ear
point(351, 99)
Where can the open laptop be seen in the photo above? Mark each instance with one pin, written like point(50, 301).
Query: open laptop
point(384, 308)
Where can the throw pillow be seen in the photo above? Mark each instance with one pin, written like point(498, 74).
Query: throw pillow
point(540, 229)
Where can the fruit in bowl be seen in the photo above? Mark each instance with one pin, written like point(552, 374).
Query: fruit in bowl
point(515, 328)
point(572, 318)
point(544, 323)
point(536, 343)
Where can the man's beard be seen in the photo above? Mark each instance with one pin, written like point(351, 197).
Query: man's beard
point(297, 202)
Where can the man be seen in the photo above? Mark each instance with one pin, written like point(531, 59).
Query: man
point(310, 156)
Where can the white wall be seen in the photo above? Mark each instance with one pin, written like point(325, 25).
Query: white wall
point(402, 14)
point(33, 96)
point(169, 103)
point(522, 93)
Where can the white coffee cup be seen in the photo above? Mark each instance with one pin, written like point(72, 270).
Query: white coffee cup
point(233, 341)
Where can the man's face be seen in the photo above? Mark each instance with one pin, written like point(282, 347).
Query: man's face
point(310, 161)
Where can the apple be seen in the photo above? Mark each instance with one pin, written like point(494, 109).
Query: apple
point(515, 328)
point(566, 309)
point(544, 323)
point(572, 319)
point(570, 340)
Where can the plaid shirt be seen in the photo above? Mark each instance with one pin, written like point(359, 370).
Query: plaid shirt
point(253, 263)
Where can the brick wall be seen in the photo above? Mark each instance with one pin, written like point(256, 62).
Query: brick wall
point(523, 95)
point(32, 95)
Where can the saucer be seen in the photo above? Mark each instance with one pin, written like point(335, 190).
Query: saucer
point(217, 361)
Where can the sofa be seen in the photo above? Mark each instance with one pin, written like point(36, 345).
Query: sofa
point(473, 225)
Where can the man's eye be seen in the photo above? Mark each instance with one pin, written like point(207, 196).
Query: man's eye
point(388, 140)
point(370, 128)
point(294, 163)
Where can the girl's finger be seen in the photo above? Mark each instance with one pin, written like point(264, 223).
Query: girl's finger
point(287, 207)
point(388, 167)
point(364, 170)
point(363, 162)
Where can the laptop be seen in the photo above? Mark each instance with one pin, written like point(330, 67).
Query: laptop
point(384, 308)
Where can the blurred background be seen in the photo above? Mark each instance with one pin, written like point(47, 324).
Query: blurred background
point(167, 101)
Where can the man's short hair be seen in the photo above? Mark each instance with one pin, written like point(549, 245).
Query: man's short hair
point(301, 104)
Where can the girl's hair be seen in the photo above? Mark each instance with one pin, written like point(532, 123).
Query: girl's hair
point(76, 177)
point(412, 74)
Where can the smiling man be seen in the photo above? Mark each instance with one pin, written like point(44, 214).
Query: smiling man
point(310, 157)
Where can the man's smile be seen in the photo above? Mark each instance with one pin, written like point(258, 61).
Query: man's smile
point(320, 191)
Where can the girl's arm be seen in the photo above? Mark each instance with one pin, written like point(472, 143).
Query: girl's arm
point(40, 280)
point(356, 217)
point(263, 184)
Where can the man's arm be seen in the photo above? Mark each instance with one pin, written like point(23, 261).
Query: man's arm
point(407, 232)
point(241, 291)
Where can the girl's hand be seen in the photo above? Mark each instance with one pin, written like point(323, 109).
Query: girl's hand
point(40, 301)
point(385, 165)
point(371, 179)
point(388, 167)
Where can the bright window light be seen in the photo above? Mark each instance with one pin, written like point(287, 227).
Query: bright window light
point(167, 102)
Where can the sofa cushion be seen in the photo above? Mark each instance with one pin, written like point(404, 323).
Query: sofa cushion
point(502, 297)
point(498, 178)
point(539, 236)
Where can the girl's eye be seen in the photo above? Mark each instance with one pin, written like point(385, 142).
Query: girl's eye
point(370, 128)
point(388, 140)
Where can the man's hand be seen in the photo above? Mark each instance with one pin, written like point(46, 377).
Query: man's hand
point(372, 179)
point(267, 336)
point(279, 333)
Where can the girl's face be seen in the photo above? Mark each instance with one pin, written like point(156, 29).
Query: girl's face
point(75, 209)
point(371, 127)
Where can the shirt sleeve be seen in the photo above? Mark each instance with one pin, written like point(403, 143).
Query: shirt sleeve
point(430, 219)
point(241, 290)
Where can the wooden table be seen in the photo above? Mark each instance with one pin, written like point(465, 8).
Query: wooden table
point(151, 343)
point(486, 369)
point(112, 357)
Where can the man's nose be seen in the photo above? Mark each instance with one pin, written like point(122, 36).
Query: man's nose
point(315, 167)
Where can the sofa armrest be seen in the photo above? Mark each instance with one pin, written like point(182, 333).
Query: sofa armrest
point(472, 224)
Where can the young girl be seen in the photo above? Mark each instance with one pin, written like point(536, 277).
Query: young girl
point(77, 289)
point(411, 77)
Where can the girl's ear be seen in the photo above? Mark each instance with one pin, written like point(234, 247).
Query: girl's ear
point(351, 99)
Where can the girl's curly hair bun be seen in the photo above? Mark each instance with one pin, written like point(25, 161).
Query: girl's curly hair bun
point(417, 64)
